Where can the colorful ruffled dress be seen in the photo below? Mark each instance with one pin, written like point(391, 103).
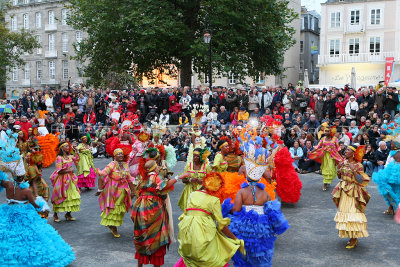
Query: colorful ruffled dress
point(201, 242)
point(28, 240)
point(388, 181)
point(115, 200)
point(258, 226)
point(85, 167)
point(66, 196)
point(220, 164)
point(351, 199)
point(150, 219)
point(191, 187)
point(327, 153)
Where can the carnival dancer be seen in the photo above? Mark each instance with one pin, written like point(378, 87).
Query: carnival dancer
point(327, 153)
point(38, 185)
point(204, 236)
point(220, 164)
point(22, 144)
point(85, 167)
point(137, 153)
point(351, 197)
point(388, 179)
point(66, 195)
point(198, 169)
point(116, 190)
point(255, 218)
point(150, 218)
point(27, 239)
point(123, 141)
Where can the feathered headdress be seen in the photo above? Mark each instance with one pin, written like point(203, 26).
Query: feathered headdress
point(198, 111)
point(11, 160)
point(254, 157)
point(359, 152)
point(212, 183)
point(143, 137)
point(204, 154)
point(158, 128)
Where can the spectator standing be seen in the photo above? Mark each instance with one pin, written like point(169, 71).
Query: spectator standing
point(351, 108)
point(231, 100)
point(265, 99)
point(391, 102)
point(253, 101)
point(82, 100)
point(50, 103)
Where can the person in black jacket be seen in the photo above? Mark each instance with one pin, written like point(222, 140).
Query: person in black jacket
point(391, 101)
point(329, 107)
point(381, 156)
point(224, 116)
point(101, 117)
point(197, 98)
point(153, 100)
point(164, 100)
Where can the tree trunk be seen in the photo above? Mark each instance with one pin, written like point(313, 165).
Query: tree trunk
point(186, 71)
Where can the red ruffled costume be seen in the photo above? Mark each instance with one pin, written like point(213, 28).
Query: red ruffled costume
point(288, 184)
point(114, 143)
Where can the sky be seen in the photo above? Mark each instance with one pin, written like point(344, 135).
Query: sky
point(313, 4)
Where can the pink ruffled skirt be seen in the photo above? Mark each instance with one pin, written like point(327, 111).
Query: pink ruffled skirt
point(87, 181)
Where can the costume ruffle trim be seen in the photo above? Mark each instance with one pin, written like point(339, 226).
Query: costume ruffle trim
point(115, 217)
point(389, 175)
point(71, 203)
point(28, 240)
point(157, 258)
point(288, 182)
point(350, 217)
point(3, 177)
point(350, 234)
point(87, 181)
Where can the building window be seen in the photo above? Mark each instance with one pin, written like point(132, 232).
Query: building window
point(301, 66)
point(355, 17)
point(38, 20)
point(354, 46)
point(26, 21)
point(334, 48)
point(52, 44)
point(38, 70)
point(65, 42)
point(301, 47)
point(14, 23)
point(15, 73)
point(375, 45)
point(65, 69)
point(231, 78)
point(259, 79)
point(51, 17)
point(78, 37)
point(39, 40)
point(64, 16)
point(335, 20)
point(52, 70)
point(375, 16)
point(27, 71)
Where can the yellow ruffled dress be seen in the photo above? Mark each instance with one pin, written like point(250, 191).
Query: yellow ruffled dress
point(351, 199)
point(201, 241)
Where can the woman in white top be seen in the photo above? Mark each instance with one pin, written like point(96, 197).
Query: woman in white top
point(351, 108)
point(212, 117)
point(49, 103)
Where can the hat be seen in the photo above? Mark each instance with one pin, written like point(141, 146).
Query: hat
point(150, 165)
point(242, 108)
point(325, 89)
point(352, 97)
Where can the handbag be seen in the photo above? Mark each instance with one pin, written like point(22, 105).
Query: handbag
point(353, 112)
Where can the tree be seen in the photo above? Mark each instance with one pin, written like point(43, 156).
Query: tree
point(12, 45)
point(248, 37)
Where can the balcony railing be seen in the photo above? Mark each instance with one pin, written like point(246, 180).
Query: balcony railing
point(356, 58)
point(50, 27)
point(51, 82)
point(355, 28)
point(51, 54)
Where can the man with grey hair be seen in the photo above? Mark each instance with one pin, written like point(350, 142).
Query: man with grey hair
point(265, 99)
point(381, 155)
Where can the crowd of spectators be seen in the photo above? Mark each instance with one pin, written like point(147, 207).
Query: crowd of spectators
point(361, 116)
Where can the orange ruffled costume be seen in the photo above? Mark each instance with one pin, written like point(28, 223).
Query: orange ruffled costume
point(232, 184)
point(48, 145)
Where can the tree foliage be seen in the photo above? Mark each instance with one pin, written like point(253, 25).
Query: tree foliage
point(249, 37)
point(12, 44)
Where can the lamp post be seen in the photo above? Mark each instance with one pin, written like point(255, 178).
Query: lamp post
point(207, 39)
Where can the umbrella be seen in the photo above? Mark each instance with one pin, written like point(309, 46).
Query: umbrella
point(306, 82)
point(353, 78)
point(7, 108)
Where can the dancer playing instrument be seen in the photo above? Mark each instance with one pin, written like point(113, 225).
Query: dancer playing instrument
point(351, 197)
point(204, 236)
point(327, 153)
point(115, 190)
point(150, 218)
point(66, 195)
point(85, 167)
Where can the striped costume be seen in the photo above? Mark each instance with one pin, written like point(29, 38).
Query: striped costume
point(150, 221)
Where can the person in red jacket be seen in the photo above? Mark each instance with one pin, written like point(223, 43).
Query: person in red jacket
point(66, 101)
point(175, 109)
point(132, 105)
point(89, 117)
point(341, 105)
point(25, 125)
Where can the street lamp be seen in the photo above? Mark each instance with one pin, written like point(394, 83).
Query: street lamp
point(207, 39)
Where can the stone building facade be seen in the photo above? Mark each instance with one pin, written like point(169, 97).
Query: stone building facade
point(51, 65)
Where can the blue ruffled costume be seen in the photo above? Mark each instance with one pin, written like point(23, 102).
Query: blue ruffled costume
point(27, 240)
point(388, 181)
point(259, 231)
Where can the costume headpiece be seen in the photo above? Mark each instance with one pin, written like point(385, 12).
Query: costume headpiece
point(204, 154)
point(198, 111)
point(273, 124)
point(150, 166)
point(213, 182)
point(10, 155)
point(87, 135)
point(254, 157)
point(359, 152)
point(152, 150)
point(158, 128)
point(143, 137)
point(117, 151)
